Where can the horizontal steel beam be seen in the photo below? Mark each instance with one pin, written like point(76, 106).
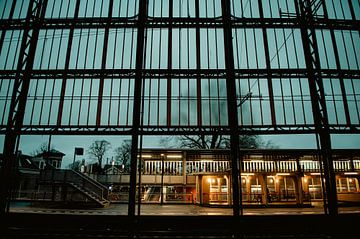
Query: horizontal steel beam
point(181, 130)
point(123, 22)
point(183, 73)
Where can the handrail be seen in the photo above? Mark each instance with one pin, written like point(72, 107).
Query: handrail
point(71, 176)
point(90, 179)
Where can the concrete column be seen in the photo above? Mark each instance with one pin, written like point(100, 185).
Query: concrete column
point(205, 191)
point(248, 187)
point(340, 184)
point(264, 191)
point(219, 196)
point(305, 185)
point(298, 189)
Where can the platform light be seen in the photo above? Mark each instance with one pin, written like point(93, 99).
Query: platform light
point(350, 173)
point(247, 174)
point(174, 156)
point(146, 156)
point(283, 174)
point(315, 174)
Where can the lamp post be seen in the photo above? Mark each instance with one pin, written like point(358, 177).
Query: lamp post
point(77, 151)
point(162, 180)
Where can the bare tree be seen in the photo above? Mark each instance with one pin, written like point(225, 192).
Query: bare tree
point(98, 149)
point(123, 154)
point(43, 147)
point(217, 141)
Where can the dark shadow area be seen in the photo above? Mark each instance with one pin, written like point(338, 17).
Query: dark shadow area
point(75, 226)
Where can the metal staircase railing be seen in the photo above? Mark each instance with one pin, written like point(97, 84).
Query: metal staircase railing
point(81, 182)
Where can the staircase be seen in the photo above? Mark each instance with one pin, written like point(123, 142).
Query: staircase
point(89, 187)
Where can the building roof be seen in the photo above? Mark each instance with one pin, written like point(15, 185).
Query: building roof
point(52, 153)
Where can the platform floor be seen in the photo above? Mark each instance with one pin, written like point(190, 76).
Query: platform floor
point(183, 210)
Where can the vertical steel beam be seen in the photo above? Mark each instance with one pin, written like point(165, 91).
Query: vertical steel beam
point(103, 63)
point(34, 18)
point(318, 103)
point(137, 103)
point(268, 66)
point(169, 66)
point(232, 107)
point(198, 66)
point(67, 63)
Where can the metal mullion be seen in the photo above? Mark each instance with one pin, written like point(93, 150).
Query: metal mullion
point(208, 65)
point(6, 102)
point(8, 50)
point(60, 7)
point(21, 7)
point(124, 37)
point(290, 83)
point(67, 62)
point(103, 61)
point(353, 45)
point(3, 32)
point(80, 101)
point(159, 63)
point(300, 84)
point(119, 102)
point(59, 48)
point(198, 66)
point(351, 7)
point(3, 12)
point(246, 50)
point(280, 79)
point(334, 9)
point(150, 67)
point(357, 105)
point(217, 67)
point(346, 53)
point(128, 104)
point(342, 9)
point(110, 100)
point(52, 9)
point(169, 67)
point(257, 67)
point(268, 65)
point(89, 101)
point(48, 67)
point(240, 107)
point(338, 66)
point(334, 100)
point(13, 66)
point(51, 101)
point(37, 80)
point(188, 66)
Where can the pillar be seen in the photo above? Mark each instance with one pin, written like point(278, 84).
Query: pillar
point(264, 190)
point(298, 189)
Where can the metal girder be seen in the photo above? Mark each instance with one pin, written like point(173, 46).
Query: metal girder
point(193, 73)
point(156, 22)
point(232, 110)
point(318, 102)
point(179, 130)
point(35, 13)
